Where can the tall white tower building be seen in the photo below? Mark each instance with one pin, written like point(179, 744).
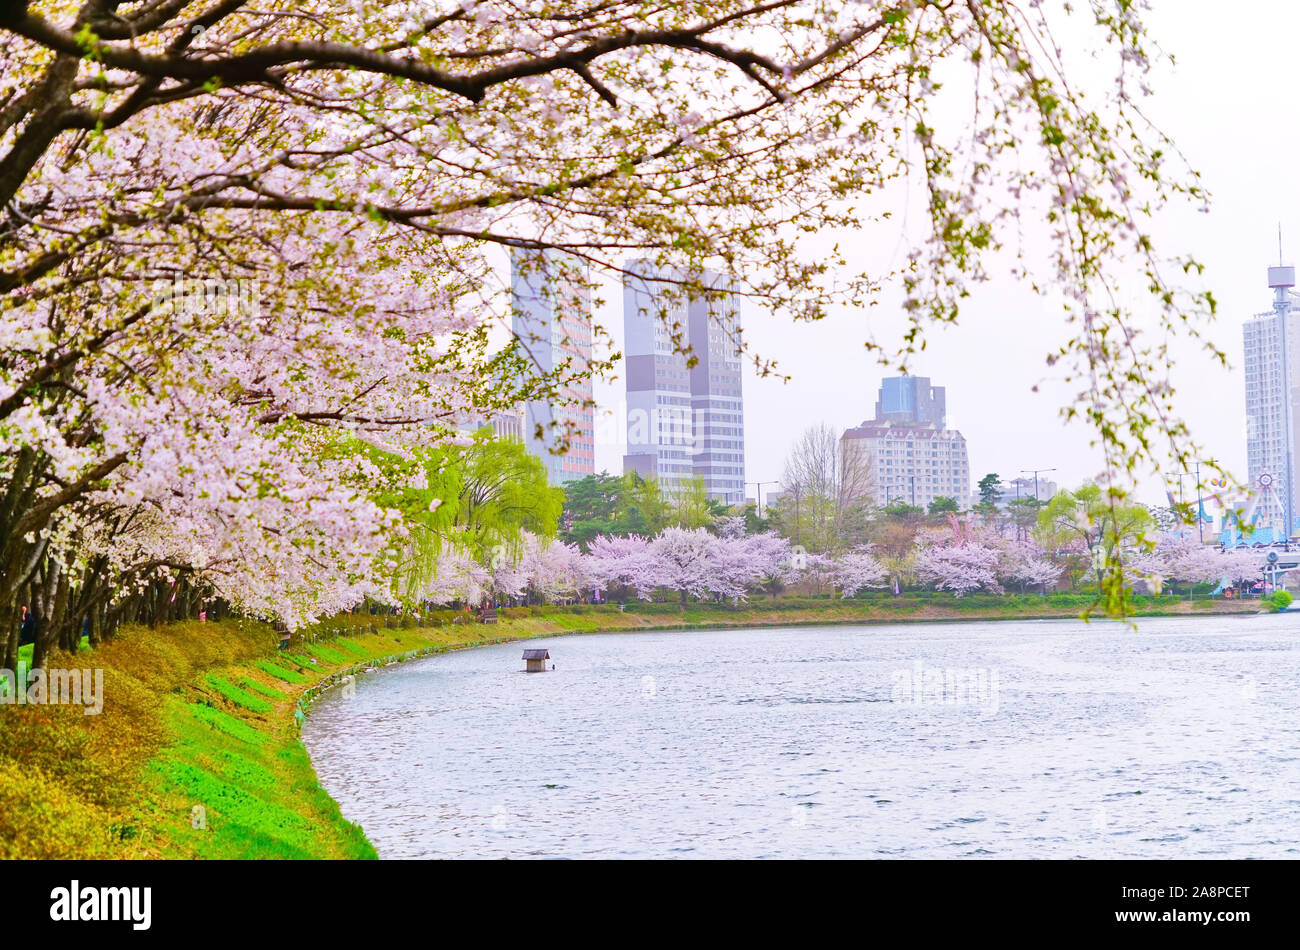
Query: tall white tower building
point(1270, 340)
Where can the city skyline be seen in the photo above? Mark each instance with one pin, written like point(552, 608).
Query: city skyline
point(1010, 409)
point(1011, 405)
point(1003, 447)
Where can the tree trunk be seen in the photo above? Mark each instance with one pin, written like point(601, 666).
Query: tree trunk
point(47, 593)
point(9, 624)
point(64, 630)
point(41, 648)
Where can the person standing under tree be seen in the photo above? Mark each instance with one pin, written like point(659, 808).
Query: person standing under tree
point(27, 629)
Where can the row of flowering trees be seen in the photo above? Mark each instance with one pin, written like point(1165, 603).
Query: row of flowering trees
point(964, 565)
point(731, 565)
point(691, 563)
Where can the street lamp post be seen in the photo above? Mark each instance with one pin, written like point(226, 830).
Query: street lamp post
point(1200, 525)
point(758, 494)
point(1035, 471)
point(901, 482)
point(895, 488)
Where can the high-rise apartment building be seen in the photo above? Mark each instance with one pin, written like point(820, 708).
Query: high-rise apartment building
point(1271, 411)
point(913, 457)
point(552, 321)
point(683, 422)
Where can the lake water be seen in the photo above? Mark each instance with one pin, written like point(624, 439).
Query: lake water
point(1050, 739)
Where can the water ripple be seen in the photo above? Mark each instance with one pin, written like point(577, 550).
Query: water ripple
point(987, 740)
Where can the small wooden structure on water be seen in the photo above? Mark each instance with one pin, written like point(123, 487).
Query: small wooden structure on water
point(535, 660)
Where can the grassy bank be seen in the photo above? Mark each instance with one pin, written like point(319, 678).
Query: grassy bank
point(197, 753)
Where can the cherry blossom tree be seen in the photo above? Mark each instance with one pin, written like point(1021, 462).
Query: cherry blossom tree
point(691, 562)
point(688, 562)
point(856, 570)
point(1183, 557)
point(729, 526)
point(628, 561)
point(1243, 565)
point(1192, 562)
point(556, 571)
point(748, 561)
point(1180, 556)
point(1025, 563)
point(458, 577)
point(1150, 568)
point(960, 568)
point(814, 572)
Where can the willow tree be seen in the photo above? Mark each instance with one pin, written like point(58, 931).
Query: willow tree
point(466, 505)
point(346, 173)
point(502, 492)
point(1105, 531)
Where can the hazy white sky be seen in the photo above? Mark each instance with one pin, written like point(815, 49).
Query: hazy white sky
point(1228, 104)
